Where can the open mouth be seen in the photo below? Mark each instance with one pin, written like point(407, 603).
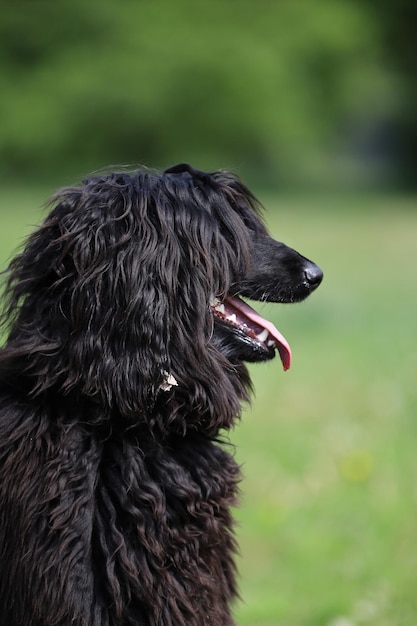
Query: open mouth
point(236, 313)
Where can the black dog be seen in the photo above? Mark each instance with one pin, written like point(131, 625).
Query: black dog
point(123, 365)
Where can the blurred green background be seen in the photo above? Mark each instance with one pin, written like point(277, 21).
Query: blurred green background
point(313, 103)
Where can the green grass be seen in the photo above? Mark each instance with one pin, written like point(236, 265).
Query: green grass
point(327, 524)
point(329, 501)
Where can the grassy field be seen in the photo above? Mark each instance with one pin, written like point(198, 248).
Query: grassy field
point(328, 519)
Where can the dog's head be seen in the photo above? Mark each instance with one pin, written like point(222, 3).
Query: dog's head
point(130, 293)
point(272, 272)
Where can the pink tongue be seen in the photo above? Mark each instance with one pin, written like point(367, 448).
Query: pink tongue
point(282, 344)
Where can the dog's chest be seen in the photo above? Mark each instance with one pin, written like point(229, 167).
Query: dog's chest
point(162, 531)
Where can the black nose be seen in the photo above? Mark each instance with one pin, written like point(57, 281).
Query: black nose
point(313, 276)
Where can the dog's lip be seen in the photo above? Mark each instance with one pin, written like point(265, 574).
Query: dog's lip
point(238, 313)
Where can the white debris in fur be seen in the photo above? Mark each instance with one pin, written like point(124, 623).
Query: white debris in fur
point(169, 382)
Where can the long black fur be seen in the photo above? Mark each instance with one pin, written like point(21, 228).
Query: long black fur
point(115, 491)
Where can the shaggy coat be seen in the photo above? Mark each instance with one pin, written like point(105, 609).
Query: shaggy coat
point(122, 368)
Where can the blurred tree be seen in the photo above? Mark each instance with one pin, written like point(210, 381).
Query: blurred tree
point(274, 89)
point(397, 23)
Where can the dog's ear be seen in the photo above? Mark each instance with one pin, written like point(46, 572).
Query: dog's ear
point(121, 266)
point(93, 293)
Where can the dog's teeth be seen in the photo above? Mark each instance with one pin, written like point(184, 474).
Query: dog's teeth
point(270, 343)
point(263, 336)
point(232, 318)
point(214, 301)
point(220, 308)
